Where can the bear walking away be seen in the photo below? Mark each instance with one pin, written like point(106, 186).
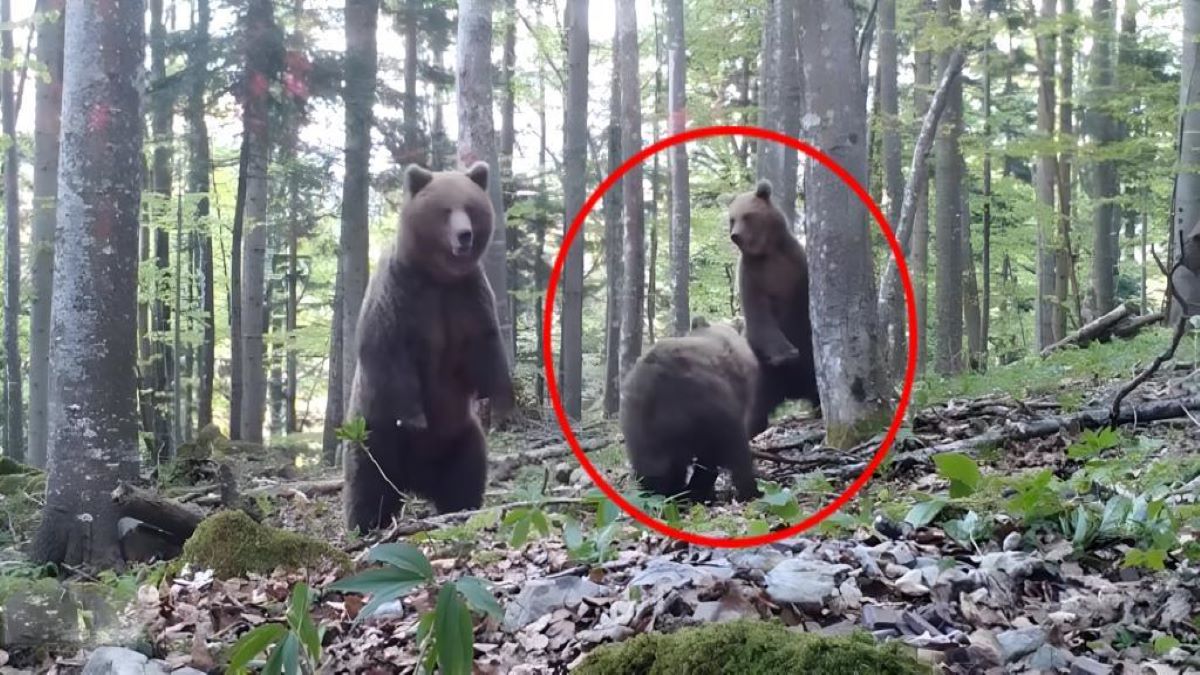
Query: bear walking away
point(428, 345)
point(687, 403)
point(773, 285)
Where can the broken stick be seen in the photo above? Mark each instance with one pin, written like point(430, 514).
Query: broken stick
point(1095, 330)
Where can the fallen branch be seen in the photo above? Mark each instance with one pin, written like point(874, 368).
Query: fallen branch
point(1180, 329)
point(505, 466)
point(889, 282)
point(1095, 330)
point(170, 516)
point(1085, 419)
point(410, 527)
point(1131, 327)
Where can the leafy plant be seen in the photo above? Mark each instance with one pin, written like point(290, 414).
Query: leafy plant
point(296, 644)
point(445, 633)
point(354, 430)
point(962, 472)
point(1092, 443)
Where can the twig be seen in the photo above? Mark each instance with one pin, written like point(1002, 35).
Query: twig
point(435, 522)
point(1180, 329)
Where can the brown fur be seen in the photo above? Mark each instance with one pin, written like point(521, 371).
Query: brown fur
point(773, 283)
point(428, 344)
point(688, 400)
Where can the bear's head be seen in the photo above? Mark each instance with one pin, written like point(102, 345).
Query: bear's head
point(446, 221)
point(755, 223)
point(721, 330)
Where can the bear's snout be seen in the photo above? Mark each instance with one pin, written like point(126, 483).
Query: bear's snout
point(464, 238)
point(736, 238)
point(462, 235)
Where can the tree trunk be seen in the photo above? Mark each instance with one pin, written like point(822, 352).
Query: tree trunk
point(575, 145)
point(1048, 330)
point(893, 173)
point(985, 318)
point(681, 198)
point(1102, 128)
point(93, 408)
point(477, 141)
point(767, 159)
point(1186, 282)
point(14, 445)
point(161, 118)
point(613, 249)
point(655, 187)
point(1064, 265)
point(362, 17)
point(334, 410)
point(853, 382)
point(200, 171)
point(414, 146)
point(970, 285)
point(923, 80)
point(633, 284)
point(236, 382)
point(792, 104)
point(47, 123)
point(949, 182)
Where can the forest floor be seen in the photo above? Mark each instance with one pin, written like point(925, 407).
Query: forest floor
point(1006, 532)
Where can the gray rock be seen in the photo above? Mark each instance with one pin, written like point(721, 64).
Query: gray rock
point(875, 617)
point(664, 572)
point(804, 581)
point(1049, 658)
point(121, 661)
point(39, 616)
point(1083, 665)
point(542, 596)
point(562, 472)
point(188, 671)
point(1016, 644)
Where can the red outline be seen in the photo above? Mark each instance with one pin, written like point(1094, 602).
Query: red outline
point(548, 336)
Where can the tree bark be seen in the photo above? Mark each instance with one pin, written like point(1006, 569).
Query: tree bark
point(477, 141)
point(681, 212)
point(767, 158)
point(93, 409)
point(47, 124)
point(792, 104)
point(985, 318)
point(1064, 266)
point(1102, 128)
point(575, 146)
point(414, 146)
point(949, 181)
point(362, 17)
point(161, 118)
point(970, 285)
point(1186, 209)
point(1048, 330)
point(850, 370)
point(633, 284)
point(613, 249)
point(893, 177)
point(200, 171)
point(14, 445)
point(922, 82)
point(334, 410)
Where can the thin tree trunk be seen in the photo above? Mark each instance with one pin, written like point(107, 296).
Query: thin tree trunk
point(93, 408)
point(655, 186)
point(985, 319)
point(681, 214)
point(334, 410)
point(414, 147)
point(1064, 265)
point(923, 81)
point(792, 104)
point(200, 170)
point(1048, 330)
point(575, 145)
point(893, 173)
point(15, 421)
point(768, 91)
point(949, 180)
point(851, 374)
point(1105, 184)
point(613, 249)
point(161, 115)
point(264, 45)
point(633, 284)
point(236, 381)
point(47, 124)
point(970, 285)
point(477, 141)
point(1187, 186)
point(362, 17)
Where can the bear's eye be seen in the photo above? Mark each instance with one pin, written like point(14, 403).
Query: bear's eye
point(731, 223)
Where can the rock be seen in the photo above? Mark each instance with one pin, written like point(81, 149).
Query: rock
point(540, 597)
point(1012, 542)
point(188, 671)
point(121, 661)
point(913, 583)
point(1049, 658)
point(562, 473)
point(43, 613)
point(665, 572)
point(804, 581)
point(876, 617)
point(579, 477)
point(1083, 665)
point(1015, 644)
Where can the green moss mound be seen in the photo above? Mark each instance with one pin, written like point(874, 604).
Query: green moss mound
point(232, 545)
point(745, 646)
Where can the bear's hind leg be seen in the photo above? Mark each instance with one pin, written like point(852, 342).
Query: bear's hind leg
point(368, 499)
point(458, 480)
point(702, 482)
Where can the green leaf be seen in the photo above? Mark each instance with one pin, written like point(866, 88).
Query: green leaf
point(1116, 510)
point(385, 596)
point(520, 533)
point(1081, 527)
point(572, 535)
point(479, 597)
point(540, 522)
point(962, 471)
point(298, 605)
point(923, 513)
point(373, 581)
point(453, 633)
point(404, 557)
point(758, 526)
point(1165, 643)
point(254, 643)
point(282, 657)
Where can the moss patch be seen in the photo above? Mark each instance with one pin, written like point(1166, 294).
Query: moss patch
point(846, 436)
point(750, 647)
point(232, 544)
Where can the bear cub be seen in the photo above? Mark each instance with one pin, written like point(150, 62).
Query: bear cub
point(773, 285)
point(687, 403)
point(428, 346)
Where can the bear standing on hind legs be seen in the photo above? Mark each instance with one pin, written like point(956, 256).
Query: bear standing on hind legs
point(428, 345)
point(773, 284)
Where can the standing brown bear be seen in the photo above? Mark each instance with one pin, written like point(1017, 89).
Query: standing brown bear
point(688, 400)
point(773, 284)
point(428, 344)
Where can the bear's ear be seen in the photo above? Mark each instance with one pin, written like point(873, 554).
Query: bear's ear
point(478, 173)
point(763, 189)
point(415, 179)
point(699, 322)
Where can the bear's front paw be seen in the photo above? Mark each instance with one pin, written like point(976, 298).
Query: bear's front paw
point(416, 421)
